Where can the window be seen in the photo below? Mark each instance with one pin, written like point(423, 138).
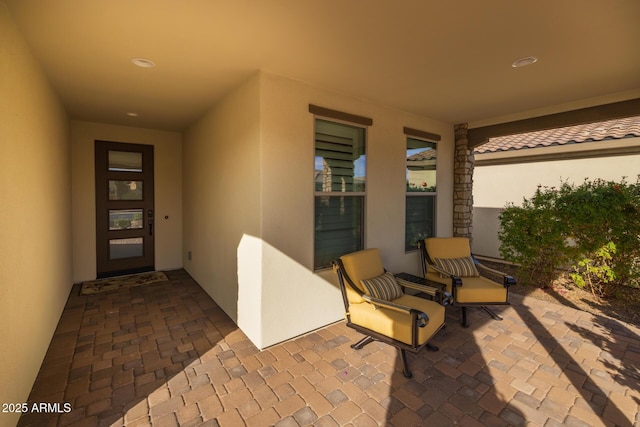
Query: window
point(421, 191)
point(340, 171)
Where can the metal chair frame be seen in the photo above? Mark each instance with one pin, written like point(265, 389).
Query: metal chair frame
point(419, 319)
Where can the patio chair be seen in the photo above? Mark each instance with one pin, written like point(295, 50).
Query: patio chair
point(449, 261)
point(377, 306)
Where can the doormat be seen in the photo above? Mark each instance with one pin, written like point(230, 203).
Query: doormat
point(115, 283)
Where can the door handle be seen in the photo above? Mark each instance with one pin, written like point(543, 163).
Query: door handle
point(150, 215)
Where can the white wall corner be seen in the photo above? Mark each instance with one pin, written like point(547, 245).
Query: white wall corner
point(250, 288)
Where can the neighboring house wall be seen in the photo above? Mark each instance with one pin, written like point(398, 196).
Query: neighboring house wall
point(485, 240)
point(35, 214)
point(167, 198)
point(512, 179)
point(260, 238)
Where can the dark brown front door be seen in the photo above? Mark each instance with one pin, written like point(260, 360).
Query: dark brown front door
point(124, 208)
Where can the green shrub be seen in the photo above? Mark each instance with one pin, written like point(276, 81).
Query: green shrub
point(596, 274)
point(533, 236)
point(592, 228)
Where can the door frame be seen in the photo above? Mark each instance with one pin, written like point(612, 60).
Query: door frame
point(105, 266)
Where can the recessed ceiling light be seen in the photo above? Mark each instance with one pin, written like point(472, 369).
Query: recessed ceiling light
point(523, 62)
point(144, 63)
point(131, 114)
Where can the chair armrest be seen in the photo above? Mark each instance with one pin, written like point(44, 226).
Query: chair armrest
point(506, 279)
point(431, 290)
point(489, 270)
point(386, 304)
point(442, 297)
point(422, 317)
point(447, 298)
point(455, 280)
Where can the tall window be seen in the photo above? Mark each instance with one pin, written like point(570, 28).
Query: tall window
point(340, 171)
point(421, 191)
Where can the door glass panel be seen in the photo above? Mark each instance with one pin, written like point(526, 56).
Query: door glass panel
point(125, 248)
point(125, 219)
point(125, 161)
point(125, 190)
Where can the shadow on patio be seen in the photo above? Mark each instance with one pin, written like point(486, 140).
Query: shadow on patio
point(166, 354)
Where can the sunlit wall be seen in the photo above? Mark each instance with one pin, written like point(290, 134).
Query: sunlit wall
point(249, 205)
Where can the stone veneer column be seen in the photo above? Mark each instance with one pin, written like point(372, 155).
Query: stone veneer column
point(462, 184)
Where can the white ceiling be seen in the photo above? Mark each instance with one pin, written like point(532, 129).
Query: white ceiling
point(449, 60)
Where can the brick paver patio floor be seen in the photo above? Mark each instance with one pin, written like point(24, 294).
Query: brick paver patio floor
point(167, 355)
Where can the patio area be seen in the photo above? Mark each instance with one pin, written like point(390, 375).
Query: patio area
point(167, 355)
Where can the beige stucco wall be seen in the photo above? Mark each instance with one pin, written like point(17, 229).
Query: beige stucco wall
point(35, 212)
point(249, 203)
point(485, 240)
point(168, 192)
point(222, 204)
point(295, 299)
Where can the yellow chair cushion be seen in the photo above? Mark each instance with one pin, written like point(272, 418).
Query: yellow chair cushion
point(360, 265)
point(397, 324)
point(474, 289)
point(447, 247)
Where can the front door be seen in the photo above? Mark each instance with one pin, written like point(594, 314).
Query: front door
point(124, 208)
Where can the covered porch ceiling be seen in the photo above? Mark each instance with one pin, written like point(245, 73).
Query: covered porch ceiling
point(451, 61)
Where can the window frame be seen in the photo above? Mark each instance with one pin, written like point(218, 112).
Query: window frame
point(319, 114)
point(428, 138)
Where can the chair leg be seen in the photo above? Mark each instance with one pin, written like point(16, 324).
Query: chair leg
point(491, 313)
point(364, 341)
point(406, 371)
point(465, 321)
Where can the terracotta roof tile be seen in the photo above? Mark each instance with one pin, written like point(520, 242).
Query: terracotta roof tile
point(427, 154)
point(611, 129)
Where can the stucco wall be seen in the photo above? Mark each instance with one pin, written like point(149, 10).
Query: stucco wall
point(295, 299)
point(168, 192)
point(222, 204)
point(485, 240)
point(35, 212)
point(249, 203)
